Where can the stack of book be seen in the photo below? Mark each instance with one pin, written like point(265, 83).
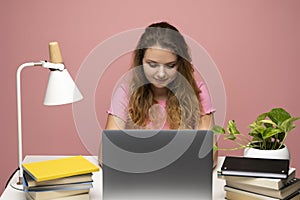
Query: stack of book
point(259, 179)
point(67, 178)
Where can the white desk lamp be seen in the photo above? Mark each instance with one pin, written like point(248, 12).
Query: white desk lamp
point(61, 89)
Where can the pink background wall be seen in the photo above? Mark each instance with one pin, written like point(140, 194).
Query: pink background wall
point(255, 45)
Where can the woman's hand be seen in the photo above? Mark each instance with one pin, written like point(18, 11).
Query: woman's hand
point(112, 123)
point(206, 123)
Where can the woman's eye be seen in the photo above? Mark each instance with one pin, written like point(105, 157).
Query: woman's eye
point(152, 64)
point(171, 66)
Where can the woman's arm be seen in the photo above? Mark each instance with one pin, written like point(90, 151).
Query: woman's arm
point(206, 123)
point(112, 123)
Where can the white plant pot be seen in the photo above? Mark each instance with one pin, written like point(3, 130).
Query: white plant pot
point(282, 153)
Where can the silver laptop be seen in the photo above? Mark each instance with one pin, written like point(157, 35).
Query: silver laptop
point(157, 164)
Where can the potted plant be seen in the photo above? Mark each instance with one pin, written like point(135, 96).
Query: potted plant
point(267, 132)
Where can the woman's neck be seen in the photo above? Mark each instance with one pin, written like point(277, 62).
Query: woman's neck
point(159, 93)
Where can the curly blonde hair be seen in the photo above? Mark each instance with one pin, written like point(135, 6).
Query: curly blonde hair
point(183, 103)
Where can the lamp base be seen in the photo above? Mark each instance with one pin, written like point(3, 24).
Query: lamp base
point(17, 185)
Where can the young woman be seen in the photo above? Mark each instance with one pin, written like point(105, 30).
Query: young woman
point(162, 92)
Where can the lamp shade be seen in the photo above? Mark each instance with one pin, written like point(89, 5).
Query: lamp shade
point(61, 89)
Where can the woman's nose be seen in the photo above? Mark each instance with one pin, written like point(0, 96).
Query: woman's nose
point(161, 72)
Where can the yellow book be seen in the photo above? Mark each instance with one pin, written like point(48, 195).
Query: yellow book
point(59, 168)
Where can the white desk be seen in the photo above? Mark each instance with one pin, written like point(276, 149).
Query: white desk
point(96, 192)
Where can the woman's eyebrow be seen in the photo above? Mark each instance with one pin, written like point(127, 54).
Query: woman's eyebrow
point(168, 63)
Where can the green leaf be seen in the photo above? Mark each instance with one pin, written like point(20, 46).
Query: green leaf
point(231, 136)
point(257, 139)
point(256, 128)
point(255, 134)
point(266, 121)
point(262, 116)
point(218, 130)
point(288, 124)
point(269, 132)
point(232, 128)
point(215, 147)
point(278, 115)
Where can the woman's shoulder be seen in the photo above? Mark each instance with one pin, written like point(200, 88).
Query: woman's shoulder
point(205, 98)
point(203, 89)
point(122, 88)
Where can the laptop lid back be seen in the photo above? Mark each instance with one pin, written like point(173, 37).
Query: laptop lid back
point(157, 164)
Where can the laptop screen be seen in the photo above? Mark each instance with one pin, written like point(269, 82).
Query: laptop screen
point(157, 164)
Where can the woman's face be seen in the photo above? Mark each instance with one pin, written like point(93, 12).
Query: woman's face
point(160, 66)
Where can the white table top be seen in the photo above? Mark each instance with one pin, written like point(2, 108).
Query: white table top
point(96, 192)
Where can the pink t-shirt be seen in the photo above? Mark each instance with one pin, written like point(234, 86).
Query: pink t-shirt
point(120, 101)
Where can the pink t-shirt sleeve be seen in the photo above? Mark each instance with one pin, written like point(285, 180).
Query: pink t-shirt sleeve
point(119, 102)
point(205, 99)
